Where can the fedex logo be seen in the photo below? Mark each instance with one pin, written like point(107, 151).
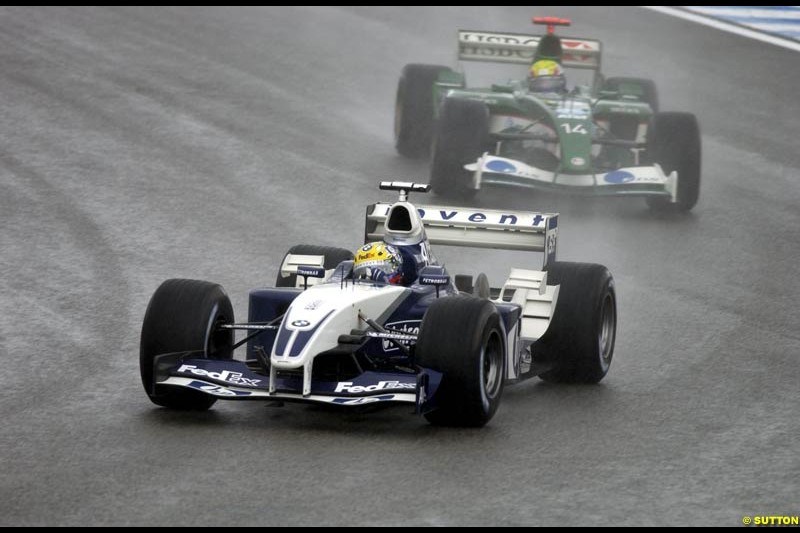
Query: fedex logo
point(347, 386)
point(228, 377)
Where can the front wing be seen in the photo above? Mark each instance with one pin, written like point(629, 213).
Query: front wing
point(630, 181)
point(234, 380)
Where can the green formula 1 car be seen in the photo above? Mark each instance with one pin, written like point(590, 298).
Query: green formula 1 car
point(604, 137)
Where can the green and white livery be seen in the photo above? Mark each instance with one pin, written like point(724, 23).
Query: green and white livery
point(605, 136)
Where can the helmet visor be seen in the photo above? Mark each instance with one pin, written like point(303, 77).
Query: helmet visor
point(547, 84)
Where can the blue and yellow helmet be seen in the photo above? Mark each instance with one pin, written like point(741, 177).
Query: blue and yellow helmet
point(547, 76)
point(378, 261)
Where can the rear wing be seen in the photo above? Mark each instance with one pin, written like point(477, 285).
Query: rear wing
point(520, 48)
point(477, 228)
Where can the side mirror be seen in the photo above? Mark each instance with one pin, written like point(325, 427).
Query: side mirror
point(437, 280)
point(309, 272)
point(434, 279)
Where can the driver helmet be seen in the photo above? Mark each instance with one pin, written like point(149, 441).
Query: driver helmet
point(379, 262)
point(546, 76)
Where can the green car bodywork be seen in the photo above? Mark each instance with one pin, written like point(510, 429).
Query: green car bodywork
point(606, 137)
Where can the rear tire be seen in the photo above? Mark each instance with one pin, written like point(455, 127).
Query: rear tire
point(641, 87)
point(581, 336)
point(463, 283)
point(414, 107)
point(183, 315)
point(462, 337)
point(481, 289)
point(462, 136)
point(676, 145)
point(333, 256)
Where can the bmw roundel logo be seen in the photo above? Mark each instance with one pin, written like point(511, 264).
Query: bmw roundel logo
point(301, 323)
point(496, 165)
point(619, 176)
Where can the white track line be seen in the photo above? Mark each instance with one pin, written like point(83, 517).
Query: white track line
point(725, 11)
point(726, 26)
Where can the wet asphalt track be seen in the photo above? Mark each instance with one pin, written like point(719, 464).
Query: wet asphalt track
point(143, 144)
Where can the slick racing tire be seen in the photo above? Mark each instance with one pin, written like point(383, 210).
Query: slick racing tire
point(184, 315)
point(676, 145)
point(580, 340)
point(480, 288)
point(462, 337)
point(462, 136)
point(333, 256)
point(414, 107)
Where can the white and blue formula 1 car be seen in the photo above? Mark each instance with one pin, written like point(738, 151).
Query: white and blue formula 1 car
point(445, 345)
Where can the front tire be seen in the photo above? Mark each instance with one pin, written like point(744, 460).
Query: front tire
point(462, 137)
point(580, 340)
point(676, 145)
point(184, 315)
point(462, 337)
point(414, 107)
